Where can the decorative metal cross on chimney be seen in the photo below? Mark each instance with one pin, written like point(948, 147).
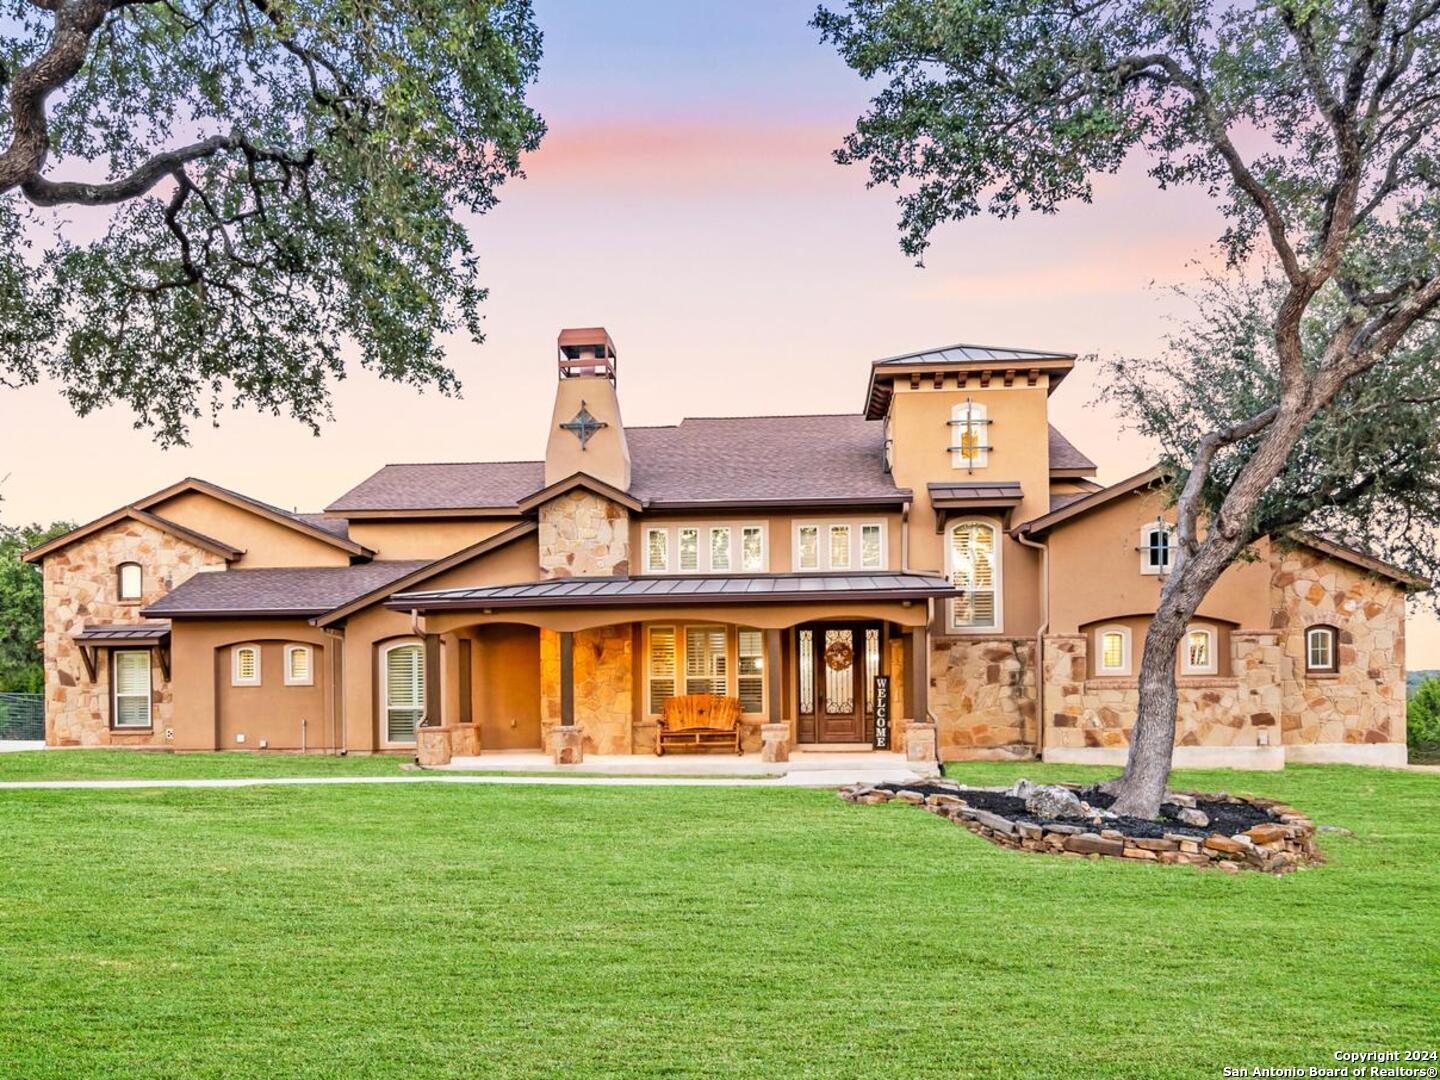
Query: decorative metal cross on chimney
point(583, 426)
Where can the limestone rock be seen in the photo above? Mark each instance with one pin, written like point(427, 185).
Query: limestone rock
point(1055, 802)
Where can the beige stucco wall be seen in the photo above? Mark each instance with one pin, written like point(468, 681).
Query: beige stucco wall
point(1364, 702)
point(425, 538)
point(265, 542)
point(81, 590)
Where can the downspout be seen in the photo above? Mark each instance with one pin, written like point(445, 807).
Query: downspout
point(1044, 550)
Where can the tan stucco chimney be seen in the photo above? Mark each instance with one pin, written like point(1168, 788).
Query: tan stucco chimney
point(586, 432)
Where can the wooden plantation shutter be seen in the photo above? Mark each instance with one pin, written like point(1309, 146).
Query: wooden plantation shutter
point(705, 668)
point(972, 559)
point(662, 667)
point(404, 692)
point(750, 670)
point(132, 688)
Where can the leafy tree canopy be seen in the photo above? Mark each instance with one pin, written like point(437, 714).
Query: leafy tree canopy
point(274, 177)
point(22, 607)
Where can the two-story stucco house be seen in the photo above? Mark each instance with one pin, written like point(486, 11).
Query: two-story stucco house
point(945, 538)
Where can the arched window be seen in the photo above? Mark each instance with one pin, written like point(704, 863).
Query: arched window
point(245, 665)
point(402, 670)
point(130, 580)
point(1112, 650)
point(299, 665)
point(972, 557)
point(1322, 655)
point(969, 436)
point(1198, 657)
point(1157, 541)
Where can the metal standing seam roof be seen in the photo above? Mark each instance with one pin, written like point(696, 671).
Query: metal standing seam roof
point(976, 493)
point(126, 633)
point(765, 588)
point(970, 354)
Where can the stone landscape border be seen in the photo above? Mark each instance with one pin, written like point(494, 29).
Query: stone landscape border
point(1275, 847)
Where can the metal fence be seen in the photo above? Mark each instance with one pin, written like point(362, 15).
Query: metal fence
point(22, 716)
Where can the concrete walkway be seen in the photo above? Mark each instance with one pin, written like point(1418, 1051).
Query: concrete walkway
point(796, 778)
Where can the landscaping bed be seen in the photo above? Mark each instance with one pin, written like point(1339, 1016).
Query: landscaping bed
point(1229, 832)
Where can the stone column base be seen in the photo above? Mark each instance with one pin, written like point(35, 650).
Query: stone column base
point(920, 742)
point(465, 742)
point(567, 745)
point(775, 742)
point(433, 745)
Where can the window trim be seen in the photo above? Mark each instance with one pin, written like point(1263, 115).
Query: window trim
point(1332, 635)
point(236, 679)
point(884, 538)
point(1126, 645)
point(650, 567)
point(290, 650)
point(1212, 668)
point(1146, 567)
point(149, 694)
point(382, 687)
point(680, 531)
point(797, 562)
point(830, 563)
point(120, 582)
point(710, 531)
point(764, 548)
point(998, 626)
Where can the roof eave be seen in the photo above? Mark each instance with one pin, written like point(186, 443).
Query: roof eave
point(901, 497)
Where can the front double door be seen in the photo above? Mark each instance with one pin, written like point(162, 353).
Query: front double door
point(837, 665)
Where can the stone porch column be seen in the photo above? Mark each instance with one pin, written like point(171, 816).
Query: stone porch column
point(567, 744)
point(433, 738)
point(774, 733)
point(920, 732)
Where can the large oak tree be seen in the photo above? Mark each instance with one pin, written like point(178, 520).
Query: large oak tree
point(262, 182)
point(1314, 124)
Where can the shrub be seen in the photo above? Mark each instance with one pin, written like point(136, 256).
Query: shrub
point(1422, 719)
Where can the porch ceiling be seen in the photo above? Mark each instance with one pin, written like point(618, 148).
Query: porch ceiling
point(681, 591)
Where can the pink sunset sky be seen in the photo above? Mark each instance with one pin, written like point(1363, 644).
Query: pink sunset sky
point(685, 198)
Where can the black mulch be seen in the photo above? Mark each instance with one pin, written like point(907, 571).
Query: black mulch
point(1226, 818)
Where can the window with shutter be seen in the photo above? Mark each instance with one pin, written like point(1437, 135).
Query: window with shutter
point(661, 667)
point(131, 678)
point(752, 548)
point(689, 549)
point(720, 548)
point(872, 554)
point(705, 661)
point(750, 669)
point(245, 665)
point(131, 581)
point(299, 666)
point(974, 557)
point(657, 550)
point(404, 670)
point(839, 547)
point(807, 545)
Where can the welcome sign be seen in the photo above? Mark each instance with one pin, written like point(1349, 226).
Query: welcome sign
point(882, 712)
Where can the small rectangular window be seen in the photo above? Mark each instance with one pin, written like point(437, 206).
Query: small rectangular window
point(1320, 650)
point(299, 666)
point(871, 548)
point(131, 581)
point(720, 548)
point(661, 667)
point(752, 548)
point(839, 547)
point(689, 549)
point(245, 665)
point(657, 550)
point(1155, 545)
point(131, 677)
point(750, 669)
point(808, 547)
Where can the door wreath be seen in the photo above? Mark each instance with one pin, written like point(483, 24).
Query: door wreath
point(839, 655)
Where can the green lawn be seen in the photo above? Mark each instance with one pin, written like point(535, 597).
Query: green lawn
point(163, 765)
point(435, 930)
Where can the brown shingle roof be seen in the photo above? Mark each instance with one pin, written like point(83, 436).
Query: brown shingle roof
point(290, 591)
point(710, 461)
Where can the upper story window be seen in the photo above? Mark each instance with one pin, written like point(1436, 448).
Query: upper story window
point(872, 547)
point(720, 548)
point(969, 436)
point(299, 665)
point(972, 556)
point(1112, 650)
point(657, 550)
point(846, 545)
point(1157, 542)
point(839, 547)
point(807, 547)
point(1321, 653)
point(706, 549)
point(130, 581)
point(245, 665)
point(689, 549)
point(752, 548)
point(1199, 657)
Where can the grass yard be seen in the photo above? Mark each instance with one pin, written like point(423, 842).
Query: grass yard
point(164, 765)
point(434, 930)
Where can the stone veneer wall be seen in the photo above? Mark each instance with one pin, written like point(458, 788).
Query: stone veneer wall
point(584, 535)
point(80, 591)
point(982, 692)
point(1084, 711)
point(604, 687)
point(1365, 701)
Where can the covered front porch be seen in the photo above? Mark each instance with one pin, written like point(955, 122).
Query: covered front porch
point(588, 670)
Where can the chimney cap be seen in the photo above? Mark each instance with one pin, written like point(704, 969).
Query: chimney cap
point(586, 350)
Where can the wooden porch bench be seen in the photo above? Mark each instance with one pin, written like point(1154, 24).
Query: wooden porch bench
point(698, 721)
